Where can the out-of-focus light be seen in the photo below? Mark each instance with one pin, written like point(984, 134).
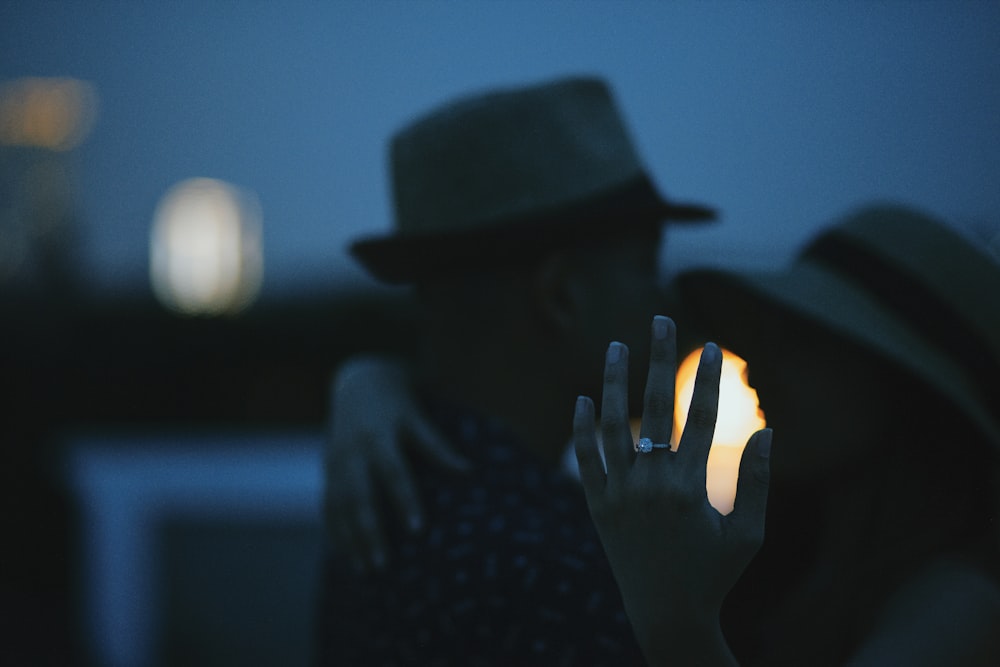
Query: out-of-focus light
point(739, 412)
point(205, 249)
point(55, 113)
point(739, 416)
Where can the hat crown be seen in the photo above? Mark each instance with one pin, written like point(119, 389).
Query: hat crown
point(906, 286)
point(927, 272)
point(509, 153)
point(501, 178)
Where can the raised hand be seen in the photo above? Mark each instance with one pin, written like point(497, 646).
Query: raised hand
point(674, 556)
point(374, 418)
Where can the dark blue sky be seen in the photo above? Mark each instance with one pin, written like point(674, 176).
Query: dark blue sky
point(782, 114)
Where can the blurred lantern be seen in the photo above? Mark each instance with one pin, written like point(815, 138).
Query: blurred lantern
point(41, 120)
point(739, 416)
point(205, 249)
point(54, 113)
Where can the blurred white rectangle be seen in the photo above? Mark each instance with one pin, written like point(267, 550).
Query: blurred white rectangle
point(131, 488)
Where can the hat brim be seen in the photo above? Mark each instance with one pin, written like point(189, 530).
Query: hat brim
point(401, 258)
point(744, 310)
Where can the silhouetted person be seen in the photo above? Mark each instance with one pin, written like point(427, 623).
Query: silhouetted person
point(885, 474)
point(875, 358)
point(531, 234)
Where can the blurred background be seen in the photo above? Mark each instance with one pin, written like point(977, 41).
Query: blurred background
point(178, 183)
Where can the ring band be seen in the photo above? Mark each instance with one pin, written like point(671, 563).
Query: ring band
point(645, 445)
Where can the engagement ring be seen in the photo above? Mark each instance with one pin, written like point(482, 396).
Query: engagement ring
point(645, 445)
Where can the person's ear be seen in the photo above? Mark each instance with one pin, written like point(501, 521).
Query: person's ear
point(557, 293)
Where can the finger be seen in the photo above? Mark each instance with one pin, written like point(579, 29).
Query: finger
point(692, 452)
point(334, 502)
point(352, 504)
point(340, 527)
point(750, 506)
point(588, 454)
point(369, 540)
point(395, 476)
point(658, 401)
point(431, 444)
point(346, 544)
point(329, 503)
point(619, 450)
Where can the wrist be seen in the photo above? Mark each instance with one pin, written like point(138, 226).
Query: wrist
point(685, 639)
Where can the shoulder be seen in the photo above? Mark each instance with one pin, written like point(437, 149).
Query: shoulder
point(946, 613)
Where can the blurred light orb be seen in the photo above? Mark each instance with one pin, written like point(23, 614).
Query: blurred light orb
point(738, 418)
point(739, 411)
point(205, 249)
point(55, 113)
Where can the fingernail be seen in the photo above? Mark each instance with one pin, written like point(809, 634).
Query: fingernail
point(710, 353)
point(581, 405)
point(615, 352)
point(764, 444)
point(661, 327)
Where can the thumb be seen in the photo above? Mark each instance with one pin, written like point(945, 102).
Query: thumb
point(750, 506)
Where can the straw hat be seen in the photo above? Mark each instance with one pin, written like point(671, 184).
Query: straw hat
point(508, 174)
point(907, 286)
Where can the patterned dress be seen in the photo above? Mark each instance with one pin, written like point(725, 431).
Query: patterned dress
point(508, 571)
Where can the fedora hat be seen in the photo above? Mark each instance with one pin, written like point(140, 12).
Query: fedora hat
point(903, 284)
point(507, 174)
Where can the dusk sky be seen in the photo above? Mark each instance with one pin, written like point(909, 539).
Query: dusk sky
point(781, 114)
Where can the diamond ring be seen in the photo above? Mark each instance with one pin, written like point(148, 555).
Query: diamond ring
point(645, 445)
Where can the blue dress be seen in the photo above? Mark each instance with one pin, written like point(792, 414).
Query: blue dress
point(509, 570)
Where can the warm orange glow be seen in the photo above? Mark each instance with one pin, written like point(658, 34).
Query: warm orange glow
point(53, 113)
point(739, 416)
point(739, 412)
